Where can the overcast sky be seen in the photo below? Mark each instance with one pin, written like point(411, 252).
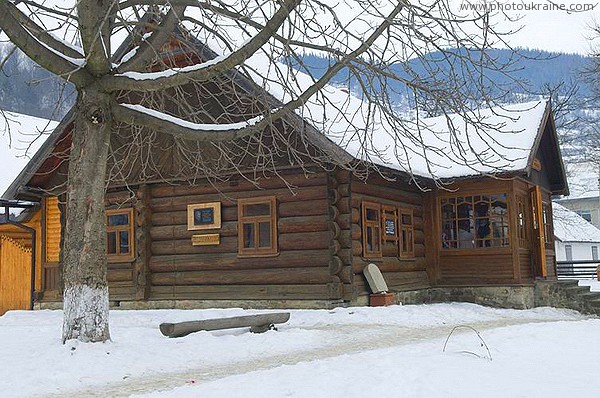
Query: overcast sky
point(548, 30)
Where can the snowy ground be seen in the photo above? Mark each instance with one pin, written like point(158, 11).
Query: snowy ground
point(592, 283)
point(346, 352)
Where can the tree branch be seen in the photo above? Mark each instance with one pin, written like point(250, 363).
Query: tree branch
point(94, 29)
point(45, 37)
point(164, 123)
point(47, 57)
point(154, 81)
point(149, 48)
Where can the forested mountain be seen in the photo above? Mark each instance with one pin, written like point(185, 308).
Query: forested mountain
point(528, 72)
point(29, 89)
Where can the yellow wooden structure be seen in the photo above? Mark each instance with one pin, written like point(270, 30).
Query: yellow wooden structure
point(15, 264)
point(15, 275)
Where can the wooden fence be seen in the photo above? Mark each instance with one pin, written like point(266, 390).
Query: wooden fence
point(15, 275)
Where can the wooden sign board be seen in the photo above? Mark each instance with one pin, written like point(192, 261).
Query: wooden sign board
point(205, 240)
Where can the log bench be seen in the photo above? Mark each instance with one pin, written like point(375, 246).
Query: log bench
point(257, 324)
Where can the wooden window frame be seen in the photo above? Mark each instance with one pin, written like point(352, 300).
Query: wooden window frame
point(406, 230)
point(130, 228)
point(257, 251)
point(373, 224)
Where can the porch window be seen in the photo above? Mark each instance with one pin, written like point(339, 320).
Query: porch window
point(522, 230)
point(119, 235)
point(546, 218)
point(257, 226)
point(478, 221)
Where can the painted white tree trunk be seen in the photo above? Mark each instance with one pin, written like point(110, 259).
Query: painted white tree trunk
point(84, 260)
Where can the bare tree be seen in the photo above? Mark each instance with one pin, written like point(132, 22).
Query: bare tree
point(133, 85)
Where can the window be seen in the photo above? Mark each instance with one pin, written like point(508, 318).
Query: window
point(594, 252)
point(371, 229)
point(119, 235)
point(586, 214)
point(407, 243)
point(475, 221)
point(387, 230)
point(522, 221)
point(257, 226)
point(546, 218)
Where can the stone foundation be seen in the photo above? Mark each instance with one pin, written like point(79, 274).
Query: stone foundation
point(541, 294)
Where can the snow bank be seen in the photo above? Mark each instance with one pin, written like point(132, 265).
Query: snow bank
point(140, 356)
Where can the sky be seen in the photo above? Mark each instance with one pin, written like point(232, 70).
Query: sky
point(551, 30)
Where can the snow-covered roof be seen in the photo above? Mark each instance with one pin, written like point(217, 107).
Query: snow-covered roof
point(20, 138)
point(488, 140)
point(571, 227)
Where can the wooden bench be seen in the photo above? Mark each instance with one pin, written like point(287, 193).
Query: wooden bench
point(257, 324)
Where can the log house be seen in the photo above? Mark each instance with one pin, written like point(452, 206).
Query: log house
point(301, 238)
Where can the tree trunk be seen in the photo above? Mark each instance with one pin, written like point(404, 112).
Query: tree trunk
point(84, 266)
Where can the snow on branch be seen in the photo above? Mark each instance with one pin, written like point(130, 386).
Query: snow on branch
point(163, 122)
point(204, 71)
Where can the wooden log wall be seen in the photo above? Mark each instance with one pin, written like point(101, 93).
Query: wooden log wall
point(302, 269)
point(399, 273)
point(340, 226)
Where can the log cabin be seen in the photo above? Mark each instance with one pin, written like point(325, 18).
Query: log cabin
point(468, 219)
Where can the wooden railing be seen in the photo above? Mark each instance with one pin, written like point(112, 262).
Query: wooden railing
point(577, 269)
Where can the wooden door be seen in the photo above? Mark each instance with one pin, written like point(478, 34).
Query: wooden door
point(539, 239)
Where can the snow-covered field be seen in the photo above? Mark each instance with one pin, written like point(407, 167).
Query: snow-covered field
point(346, 352)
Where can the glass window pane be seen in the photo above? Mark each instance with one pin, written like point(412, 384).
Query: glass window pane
point(264, 234)
point(372, 214)
point(406, 219)
point(118, 219)
point(124, 242)
point(465, 234)
point(248, 236)
point(465, 209)
point(370, 239)
point(258, 209)
point(376, 239)
point(111, 243)
point(482, 228)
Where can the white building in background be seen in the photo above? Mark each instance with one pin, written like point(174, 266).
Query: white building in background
point(576, 238)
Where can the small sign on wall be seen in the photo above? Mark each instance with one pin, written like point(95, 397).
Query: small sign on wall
point(205, 240)
point(204, 216)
